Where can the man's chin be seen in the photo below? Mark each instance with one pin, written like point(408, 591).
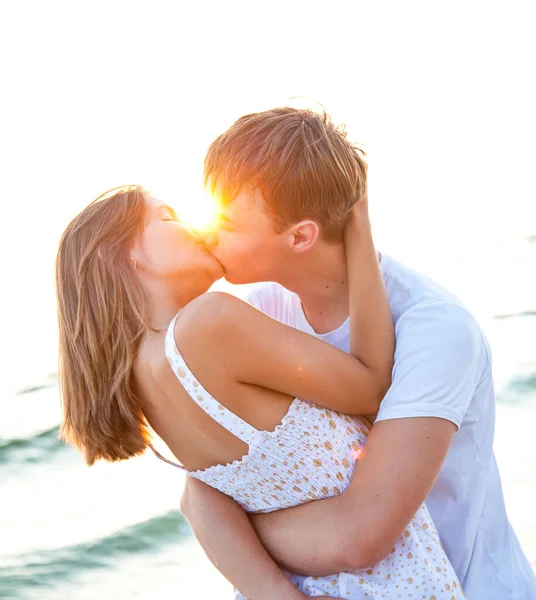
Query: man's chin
point(236, 279)
point(230, 277)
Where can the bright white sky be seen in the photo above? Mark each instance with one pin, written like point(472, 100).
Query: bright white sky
point(96, 94)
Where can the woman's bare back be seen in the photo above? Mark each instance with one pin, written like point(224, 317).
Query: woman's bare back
point(193, 437)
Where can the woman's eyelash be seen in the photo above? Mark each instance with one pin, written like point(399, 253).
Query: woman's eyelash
point(172, 217)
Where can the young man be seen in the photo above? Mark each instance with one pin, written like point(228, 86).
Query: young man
point(287, 179)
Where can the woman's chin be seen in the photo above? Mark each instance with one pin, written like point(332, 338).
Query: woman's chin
point(215, 278)
point(216, 268)
point(213, 274)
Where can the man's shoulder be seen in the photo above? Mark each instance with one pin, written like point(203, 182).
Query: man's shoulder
point(440, 314)
point(442, 334)
point(412, 292)
point(420, 304)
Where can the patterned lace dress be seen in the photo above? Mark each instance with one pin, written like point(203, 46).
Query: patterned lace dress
point(309, 456)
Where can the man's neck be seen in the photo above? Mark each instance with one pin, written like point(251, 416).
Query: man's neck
point(321, 282)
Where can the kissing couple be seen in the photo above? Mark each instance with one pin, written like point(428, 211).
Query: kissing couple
point(337, 427)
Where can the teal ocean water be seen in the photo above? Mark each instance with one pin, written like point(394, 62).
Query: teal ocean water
point(115, 530)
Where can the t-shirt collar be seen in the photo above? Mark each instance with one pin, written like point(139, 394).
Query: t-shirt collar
point(343, 330)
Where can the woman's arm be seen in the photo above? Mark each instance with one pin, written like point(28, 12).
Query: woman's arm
point(255, 349)
point(372, 332)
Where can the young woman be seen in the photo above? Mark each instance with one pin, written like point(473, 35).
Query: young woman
point(252, 407)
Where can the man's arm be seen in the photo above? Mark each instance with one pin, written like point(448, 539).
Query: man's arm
point(351, 531)
point(357, 529)
point(439, 360)
point(436, 373)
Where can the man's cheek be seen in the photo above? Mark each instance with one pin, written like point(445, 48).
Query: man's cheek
point(228, 255)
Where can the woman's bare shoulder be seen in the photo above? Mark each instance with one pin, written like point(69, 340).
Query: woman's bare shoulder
point(213, 317)
point(213, 300)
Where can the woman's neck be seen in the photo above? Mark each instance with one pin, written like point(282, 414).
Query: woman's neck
point(161, 308)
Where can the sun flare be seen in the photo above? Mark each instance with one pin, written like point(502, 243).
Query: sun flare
point(200, 212)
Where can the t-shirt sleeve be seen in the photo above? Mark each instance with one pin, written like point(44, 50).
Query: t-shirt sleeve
point(440, 358)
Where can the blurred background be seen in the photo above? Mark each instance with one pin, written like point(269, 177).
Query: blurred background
point(97, 94)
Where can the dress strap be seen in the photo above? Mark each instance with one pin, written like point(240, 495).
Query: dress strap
point(169, 462)
point(227, 419)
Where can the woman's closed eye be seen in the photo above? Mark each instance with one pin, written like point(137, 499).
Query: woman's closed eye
point(170, 215)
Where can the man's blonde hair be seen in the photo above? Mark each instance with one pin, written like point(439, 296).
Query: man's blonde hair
point(302, 163)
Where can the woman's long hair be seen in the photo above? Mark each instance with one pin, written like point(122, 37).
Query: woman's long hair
point(101, 314)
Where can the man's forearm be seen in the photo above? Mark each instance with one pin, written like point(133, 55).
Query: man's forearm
point(225, 533)
point(358, 528)
point(313, 539)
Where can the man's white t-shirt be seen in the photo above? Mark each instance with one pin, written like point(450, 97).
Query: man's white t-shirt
point(442, 369)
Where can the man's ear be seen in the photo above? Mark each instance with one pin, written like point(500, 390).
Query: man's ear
point(304, 235)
